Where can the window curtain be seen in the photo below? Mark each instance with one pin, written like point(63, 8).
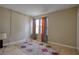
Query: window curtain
point(34, 29)
point(44, 35)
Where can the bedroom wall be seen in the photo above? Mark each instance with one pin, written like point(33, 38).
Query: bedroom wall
point(5, 22)
point(62, 27)
point(19, 26)
point(78, 29)
point(15, 24)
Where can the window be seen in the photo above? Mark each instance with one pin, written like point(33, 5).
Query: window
point(37, 26)
point(40, 25)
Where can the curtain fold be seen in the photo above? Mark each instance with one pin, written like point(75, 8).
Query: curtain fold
point(34, 29)
point(44, 35)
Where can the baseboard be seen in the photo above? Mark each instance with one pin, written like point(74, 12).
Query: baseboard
point(16, 42)
point(78, 49)
point(62, 45)
point(20, 41)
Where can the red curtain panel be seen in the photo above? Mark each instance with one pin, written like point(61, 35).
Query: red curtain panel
point(42, 35)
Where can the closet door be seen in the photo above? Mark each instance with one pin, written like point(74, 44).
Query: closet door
point(17, 26)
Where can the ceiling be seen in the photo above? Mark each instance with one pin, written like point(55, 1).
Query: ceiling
point(37, 9)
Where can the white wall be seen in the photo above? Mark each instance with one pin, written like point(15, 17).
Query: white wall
point(5, 22)
point(19, 26)
point(78, 28)
point(62, 27)
point(15, 24)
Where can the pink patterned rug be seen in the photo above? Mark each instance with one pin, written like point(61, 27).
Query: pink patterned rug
point(32, 48)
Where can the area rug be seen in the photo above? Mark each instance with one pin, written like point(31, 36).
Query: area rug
point(33, 48)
